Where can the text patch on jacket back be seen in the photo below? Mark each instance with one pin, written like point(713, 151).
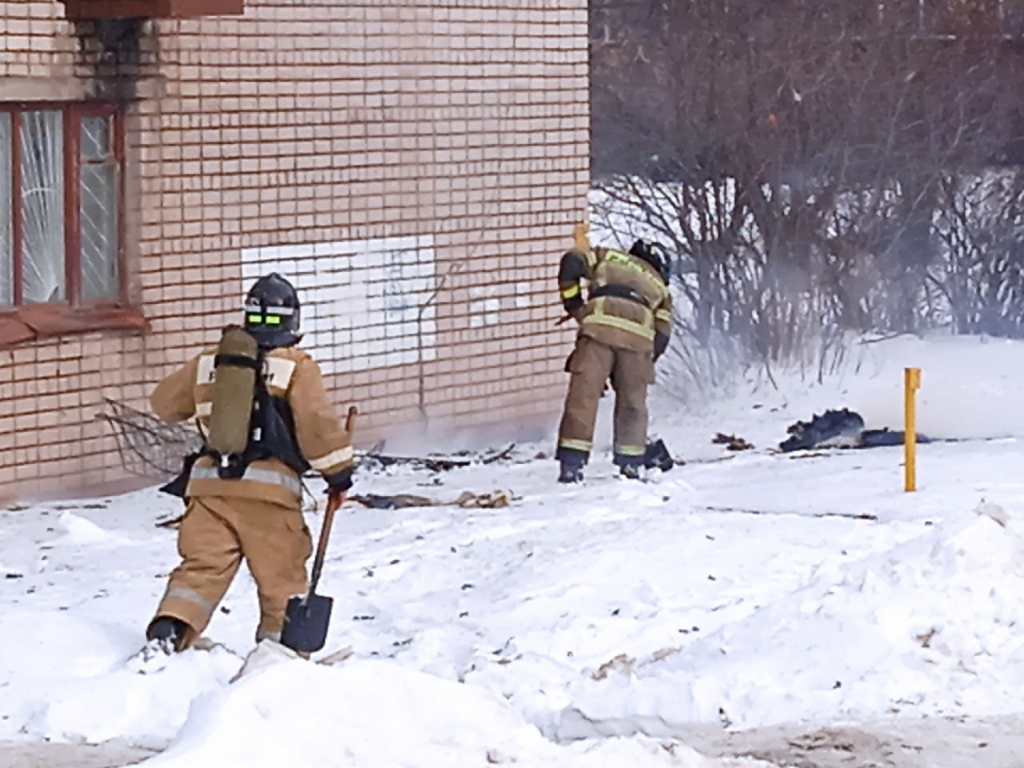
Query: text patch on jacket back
point(278, 372)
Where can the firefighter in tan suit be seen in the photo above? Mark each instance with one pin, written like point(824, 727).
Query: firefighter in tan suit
point(247, 503)
point(624, 326)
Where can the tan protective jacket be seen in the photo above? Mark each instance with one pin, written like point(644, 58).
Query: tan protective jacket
point(289, 373)
point(613, 320)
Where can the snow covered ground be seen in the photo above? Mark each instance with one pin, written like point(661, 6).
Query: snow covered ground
point(616, 623)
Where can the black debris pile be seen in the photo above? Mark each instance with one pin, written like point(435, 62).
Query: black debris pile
point(839, 429)
point(732, 442)
point(397, 501)
point(467, 499)
point(435, 463)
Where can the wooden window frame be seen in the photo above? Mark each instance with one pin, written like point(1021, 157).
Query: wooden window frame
point(26, 322)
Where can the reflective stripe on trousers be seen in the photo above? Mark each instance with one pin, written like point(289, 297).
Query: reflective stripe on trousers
point(252, 473)
point(190, 595)
point(631, 450)
point(583, 446)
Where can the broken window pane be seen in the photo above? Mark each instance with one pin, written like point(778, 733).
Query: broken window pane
point(42, 206)
point(6, 214)
point(98, 210)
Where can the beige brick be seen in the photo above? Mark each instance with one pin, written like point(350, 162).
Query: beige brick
point(309, 122)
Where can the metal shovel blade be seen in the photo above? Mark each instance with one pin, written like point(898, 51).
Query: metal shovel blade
point(305, 623)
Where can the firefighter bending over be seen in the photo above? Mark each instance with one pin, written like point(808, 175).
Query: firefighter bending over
point(624, 326)
point(265, 418)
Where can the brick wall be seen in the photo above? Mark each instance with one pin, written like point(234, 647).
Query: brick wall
point(414, 167)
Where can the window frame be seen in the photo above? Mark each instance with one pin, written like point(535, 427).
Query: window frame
point(21, 322)
point(72, 114)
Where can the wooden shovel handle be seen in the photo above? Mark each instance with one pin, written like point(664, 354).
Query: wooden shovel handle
point(334, 502)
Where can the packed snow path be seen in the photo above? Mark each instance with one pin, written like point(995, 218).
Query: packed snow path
point(745, 592)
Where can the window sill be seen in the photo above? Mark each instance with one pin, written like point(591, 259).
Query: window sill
point(156, 9)
point(42, 321)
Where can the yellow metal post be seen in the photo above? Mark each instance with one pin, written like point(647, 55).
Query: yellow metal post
point(911, 382)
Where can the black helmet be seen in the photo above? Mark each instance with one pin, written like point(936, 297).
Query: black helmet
point(272, 312)
point(655, 255)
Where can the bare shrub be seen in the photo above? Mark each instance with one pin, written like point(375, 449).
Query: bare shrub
point(821, 169)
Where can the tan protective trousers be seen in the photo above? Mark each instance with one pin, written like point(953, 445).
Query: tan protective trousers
point(215, 534)
point(630, 371)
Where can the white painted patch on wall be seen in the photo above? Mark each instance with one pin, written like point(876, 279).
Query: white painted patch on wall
point(484, 305)
point(364, 302)
point(524, 295)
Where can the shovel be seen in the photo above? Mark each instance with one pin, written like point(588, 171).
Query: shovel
point(307, 617)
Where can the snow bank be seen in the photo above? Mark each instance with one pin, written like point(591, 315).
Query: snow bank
point(928, 627)
point(83, 532)
point(146, 710)
point(372, 714)
point(70, 682)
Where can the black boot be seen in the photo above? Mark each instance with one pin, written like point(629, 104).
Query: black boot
point(570, 473)
point(572, 463)
point(166, 633)
point(629, 466)
point(657, 456)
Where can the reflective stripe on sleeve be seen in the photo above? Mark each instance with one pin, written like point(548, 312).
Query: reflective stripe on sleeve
point(572, 290)
point(332, 459)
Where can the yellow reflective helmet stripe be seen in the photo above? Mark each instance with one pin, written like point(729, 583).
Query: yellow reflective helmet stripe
point(263, 319)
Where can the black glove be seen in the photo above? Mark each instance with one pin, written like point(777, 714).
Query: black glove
point(574, 306)
point(177, 486)
point(339, 482)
